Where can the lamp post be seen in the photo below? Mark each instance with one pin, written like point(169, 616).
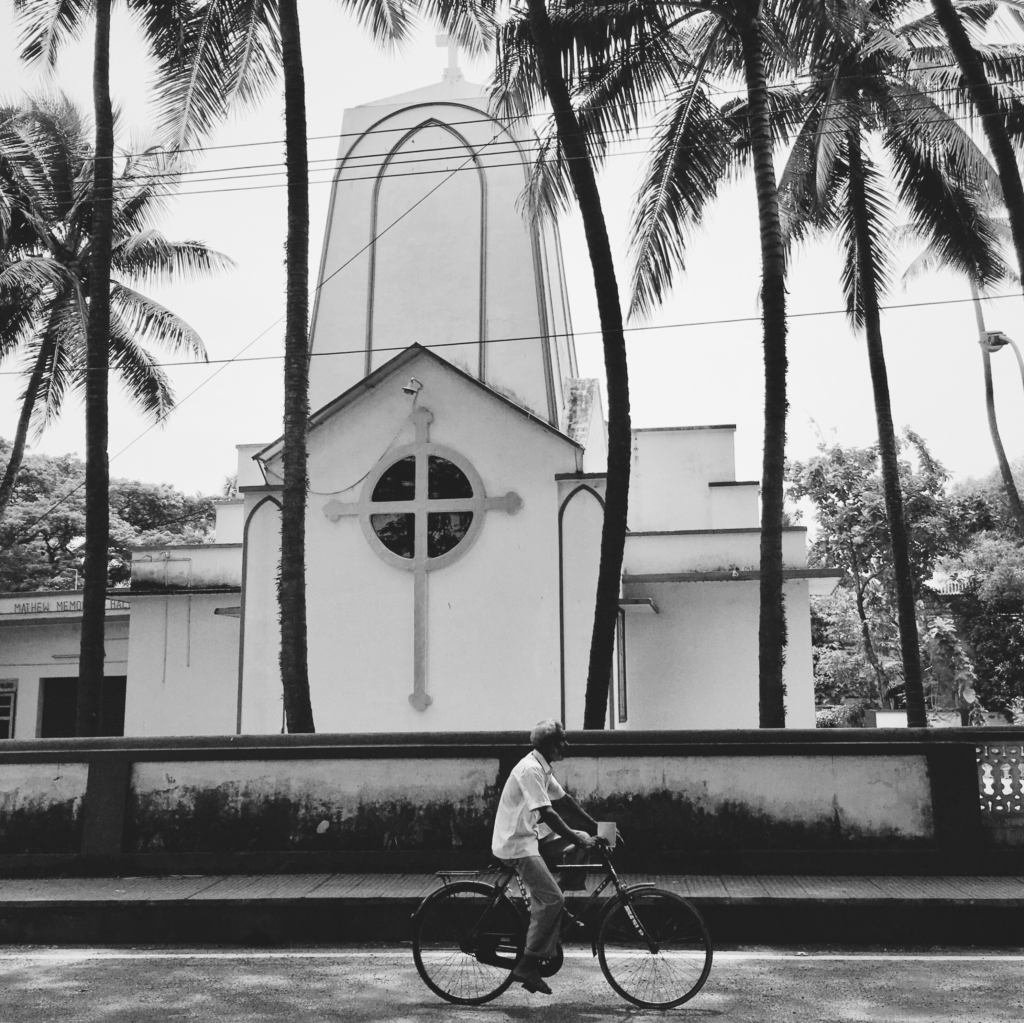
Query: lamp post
point(994, 340)
point(991, 341)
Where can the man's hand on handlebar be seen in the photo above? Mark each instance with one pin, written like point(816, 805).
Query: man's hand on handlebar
point(583, 840)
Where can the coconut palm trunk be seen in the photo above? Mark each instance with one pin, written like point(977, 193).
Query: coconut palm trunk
point(28, 403)
point(292, 580)
point(993, 121)
point(888, 456)
point(990, 409)
point(772, 622)
point(613, 534)
point(97, 474)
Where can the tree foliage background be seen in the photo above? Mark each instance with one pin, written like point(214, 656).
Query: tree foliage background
point(967, 562)
point(42, 530)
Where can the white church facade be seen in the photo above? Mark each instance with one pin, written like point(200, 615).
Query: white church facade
point(456, 480)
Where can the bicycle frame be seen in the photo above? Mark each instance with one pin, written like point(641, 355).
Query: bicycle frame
point(623, 891)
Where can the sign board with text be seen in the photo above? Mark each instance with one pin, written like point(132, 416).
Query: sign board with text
point(46, 604)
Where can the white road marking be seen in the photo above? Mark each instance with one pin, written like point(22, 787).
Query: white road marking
point(85, 955)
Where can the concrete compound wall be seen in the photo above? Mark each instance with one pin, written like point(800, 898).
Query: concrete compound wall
point(760, 802)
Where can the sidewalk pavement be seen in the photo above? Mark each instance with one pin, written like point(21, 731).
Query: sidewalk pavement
point(281, 908)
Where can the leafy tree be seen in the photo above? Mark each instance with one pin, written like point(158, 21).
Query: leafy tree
point(847, 492)
point(854, 649)
point(989, 616)
point(41, 536)
point(990, 489)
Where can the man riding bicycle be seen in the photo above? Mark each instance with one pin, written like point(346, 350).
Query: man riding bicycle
point(530, 835)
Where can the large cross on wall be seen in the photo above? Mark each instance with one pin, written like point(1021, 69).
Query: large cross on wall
point(420, 509)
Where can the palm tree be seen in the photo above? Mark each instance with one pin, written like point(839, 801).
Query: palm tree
point(230, 52)
point(861, 90)
point(45, 261)
point(997, 106)
point(627, 55)
point(530, 54)
point(47, 26)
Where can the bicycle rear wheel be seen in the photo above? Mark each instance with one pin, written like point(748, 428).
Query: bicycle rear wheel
point(465, 944)
point(654, 948)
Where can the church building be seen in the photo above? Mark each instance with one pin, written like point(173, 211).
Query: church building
point(456, 479)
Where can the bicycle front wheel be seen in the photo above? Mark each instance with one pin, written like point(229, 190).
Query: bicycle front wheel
point(654, 948)
point(465, 943)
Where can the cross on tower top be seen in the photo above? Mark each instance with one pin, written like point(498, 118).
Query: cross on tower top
point(452, 72)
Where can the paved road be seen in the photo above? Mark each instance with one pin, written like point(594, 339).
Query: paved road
point(365, 985)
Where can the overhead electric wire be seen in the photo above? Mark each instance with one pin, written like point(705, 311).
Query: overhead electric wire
point(206, 175)
point(639, 328)
point(173, 191)
point(512, 119)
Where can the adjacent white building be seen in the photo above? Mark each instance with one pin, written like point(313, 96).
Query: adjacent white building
point(456, 475)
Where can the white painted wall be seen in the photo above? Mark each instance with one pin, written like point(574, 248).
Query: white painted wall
point(798, 671)
point(36, 647)
point(670, 472)
point(262, 700)
point(694, 664)
point(187, 566)
point(870, 795)
point(230, 521)
point(582, 520)
point(735, 506)
point(249, 473)
point(708, 551)
point(454, 263)
point(182, 666)
point(340, 786)
point(493, 642)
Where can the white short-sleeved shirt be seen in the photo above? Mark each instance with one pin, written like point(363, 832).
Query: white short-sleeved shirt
point(517, 826)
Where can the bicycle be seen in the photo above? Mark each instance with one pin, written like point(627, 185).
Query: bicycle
point(653, 946)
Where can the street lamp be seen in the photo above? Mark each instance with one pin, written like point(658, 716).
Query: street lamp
point(993, 340)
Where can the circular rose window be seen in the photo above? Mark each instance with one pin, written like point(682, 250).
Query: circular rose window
point(422, 506)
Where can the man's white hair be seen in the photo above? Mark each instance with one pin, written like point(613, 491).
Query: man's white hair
point(545, 729)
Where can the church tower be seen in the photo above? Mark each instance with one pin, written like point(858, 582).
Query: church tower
point(426, 243)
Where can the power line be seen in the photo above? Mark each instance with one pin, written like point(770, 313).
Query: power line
point(641, 328)
point(170, 192)
point(793, 82)
point(512, 142)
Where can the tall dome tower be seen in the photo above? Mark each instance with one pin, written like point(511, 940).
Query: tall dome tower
point(426, 242)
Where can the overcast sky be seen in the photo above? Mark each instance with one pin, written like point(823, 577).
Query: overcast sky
point(698, 361)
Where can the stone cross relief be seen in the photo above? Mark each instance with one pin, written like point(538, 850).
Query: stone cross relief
point(420, 564)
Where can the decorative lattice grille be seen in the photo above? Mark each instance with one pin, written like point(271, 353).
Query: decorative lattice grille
point(1001, 778)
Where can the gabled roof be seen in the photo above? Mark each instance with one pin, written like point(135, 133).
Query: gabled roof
point(391, 368)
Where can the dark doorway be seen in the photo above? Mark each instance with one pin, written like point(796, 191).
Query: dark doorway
point(60, 696)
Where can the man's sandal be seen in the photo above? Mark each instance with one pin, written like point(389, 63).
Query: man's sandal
point(536, 984)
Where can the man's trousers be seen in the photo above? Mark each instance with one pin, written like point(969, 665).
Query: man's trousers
point(546, 899)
